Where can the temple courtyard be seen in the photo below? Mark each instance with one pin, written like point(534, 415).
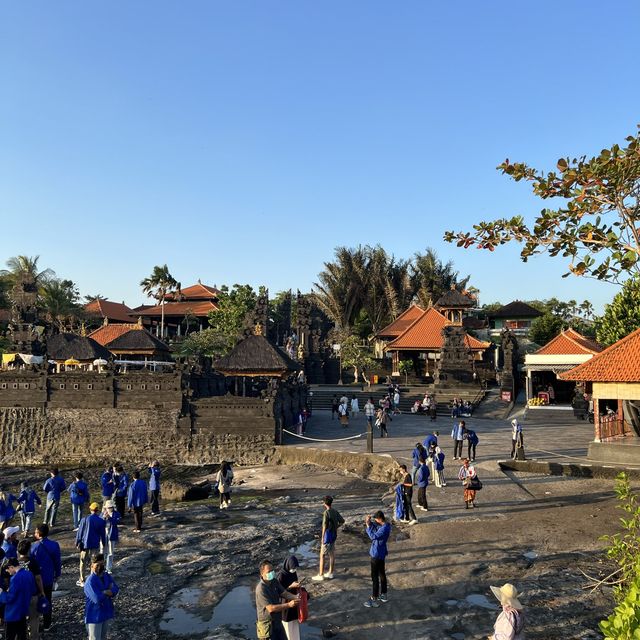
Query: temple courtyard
point(191, 572)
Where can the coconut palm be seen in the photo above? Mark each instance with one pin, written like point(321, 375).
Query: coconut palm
point(432, 278)
point(26, 267)
point(60, 304)
point(157, 286)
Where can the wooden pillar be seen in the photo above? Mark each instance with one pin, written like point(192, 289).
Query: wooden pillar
point(596, 420)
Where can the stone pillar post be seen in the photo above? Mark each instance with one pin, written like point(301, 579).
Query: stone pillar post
point(596, 420)
point(369, 436)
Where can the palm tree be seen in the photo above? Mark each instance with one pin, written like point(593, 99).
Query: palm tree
point(93, 298)
point(25, 266)
point(432, 278)
point(60, 303)
point(586, 308)
point(157, 286)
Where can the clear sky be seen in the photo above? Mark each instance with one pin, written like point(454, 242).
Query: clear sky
point(242, 141)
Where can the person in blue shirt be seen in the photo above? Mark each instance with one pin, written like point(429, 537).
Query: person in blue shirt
point(54, 486)
point(17, 600)
point(472, 443)
point(7, 510)
point(438, 462)
point(378, 531)
point(154, 487)
point(418, 452)
point(121, 485)
point(27, 501)
point(111, 518)
point(422, 480)
point(10, 544)
point(79, 495)
point(431, 439)
point(90, 537)
point(47, 553)
point(99, 590)
point(106, 482)
point(136, 499)
point(457, 435)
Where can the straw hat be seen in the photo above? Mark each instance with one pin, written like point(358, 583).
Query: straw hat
point(507, 594)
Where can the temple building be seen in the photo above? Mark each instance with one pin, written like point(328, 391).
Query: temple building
point(99, 310)
point(131, 343)
point(70, 352)
point(396, 328)
point(454, 305)
point(423, 340)
point(516, 316)
point(564, 352)
point(185, 310)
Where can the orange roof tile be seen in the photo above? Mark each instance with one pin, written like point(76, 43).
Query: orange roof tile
point(199, 309)
point(425, 334)
point(109, 332)
point(569, 342)
point(107, 309)
point(401, 323)
point(197, 291)
point(618, 363)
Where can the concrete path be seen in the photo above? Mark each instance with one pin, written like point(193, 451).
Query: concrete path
point(548, 434)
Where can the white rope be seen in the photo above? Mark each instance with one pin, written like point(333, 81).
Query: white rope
point(330, 440)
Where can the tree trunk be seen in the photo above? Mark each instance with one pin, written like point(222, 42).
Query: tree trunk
point(355, 374)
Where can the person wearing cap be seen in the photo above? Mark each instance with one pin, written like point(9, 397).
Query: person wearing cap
point(10, 544)
point(17, 600)
point(154, 487)
point(111, 518)
point(47, 553)
point(27, 501)
point(90, 537)
point(99, 591)
point(79, 495)
point(137, 498)
point(54, 486)
point(510, 623)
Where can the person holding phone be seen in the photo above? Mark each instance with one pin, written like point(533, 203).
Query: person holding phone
point(99, 589)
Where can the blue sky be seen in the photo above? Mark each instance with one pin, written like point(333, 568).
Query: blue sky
point(243, 141)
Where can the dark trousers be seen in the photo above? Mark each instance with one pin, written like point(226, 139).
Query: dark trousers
point(383, 430)
point(277, 628)
point(378, 577)
point(17, 630)
point(422, 497)
point(46, 617)
point(457, 448)
point(155, 501)
point(137, 517)
point(471, 451)
point(225, 497)
point(120, 506)
point(408, 509)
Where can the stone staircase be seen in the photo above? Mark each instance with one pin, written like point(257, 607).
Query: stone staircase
point(323, 394)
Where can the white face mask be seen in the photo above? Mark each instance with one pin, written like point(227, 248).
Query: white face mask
point(292, 570)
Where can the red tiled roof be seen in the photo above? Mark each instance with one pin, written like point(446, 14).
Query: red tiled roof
point(197, 291)
point(569, 342)
point(401, 323)
point(618, 363)
point(109, 332)
point(107, 309)
point(425, 334)
point(199, 309)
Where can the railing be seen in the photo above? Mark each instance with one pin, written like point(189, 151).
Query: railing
point(611, 427)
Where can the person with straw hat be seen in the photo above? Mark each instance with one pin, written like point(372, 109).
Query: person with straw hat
point(510, 623)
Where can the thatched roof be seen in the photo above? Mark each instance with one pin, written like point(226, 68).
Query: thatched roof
point(454, 298)
point(255, 355)
point(516, 309)
point(63, 346)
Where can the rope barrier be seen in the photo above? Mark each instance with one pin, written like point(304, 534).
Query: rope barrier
point(330, 440)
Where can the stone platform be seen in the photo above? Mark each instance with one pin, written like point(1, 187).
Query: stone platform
point(619, 452)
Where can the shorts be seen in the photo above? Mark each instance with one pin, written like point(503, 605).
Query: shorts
point(328, 547)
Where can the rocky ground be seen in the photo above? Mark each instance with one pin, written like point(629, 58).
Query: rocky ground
point(539, 533)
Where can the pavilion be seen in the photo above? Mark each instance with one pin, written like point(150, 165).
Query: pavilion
point(396, 328)
point(131, 342)
point(100, 309)
point(70, 352)
point(562, 353)
point(613, 378)
point(516, 316)
point(423, 340)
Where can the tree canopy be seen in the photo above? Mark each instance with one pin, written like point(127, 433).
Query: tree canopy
point(622, 316)
point(366, 288)
point(596, 227)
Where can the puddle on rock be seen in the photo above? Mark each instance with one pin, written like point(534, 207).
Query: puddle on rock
point(479, 600)
point(307, 553)
point(189, 614)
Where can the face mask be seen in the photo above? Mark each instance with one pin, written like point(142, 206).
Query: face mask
point(271, 575)
point(292, 570)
